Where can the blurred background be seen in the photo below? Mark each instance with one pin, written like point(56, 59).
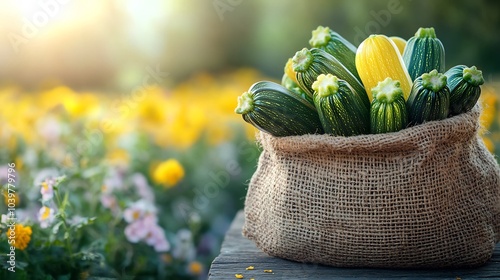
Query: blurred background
point(133, 101)
point(107, 44)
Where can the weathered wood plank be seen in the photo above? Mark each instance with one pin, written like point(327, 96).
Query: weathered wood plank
point(237, 253)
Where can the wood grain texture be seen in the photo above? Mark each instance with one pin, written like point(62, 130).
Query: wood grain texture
point(238, 253)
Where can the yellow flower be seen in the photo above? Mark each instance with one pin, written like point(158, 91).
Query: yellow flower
point(80, 105)
point(195, 268)
point(211, 113)
point(54, 97)
point(152, 110)
point(22, 116)
point(489, 144)
point(45, 213)
point(489, 102)
point(184, 127)
point(21, 236)
point(118, 156)
point(168, 173)
point(487, 118)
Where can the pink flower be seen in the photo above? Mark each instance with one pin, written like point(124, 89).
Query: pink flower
point(136, 231)
point(156, 238)
point(139, 210)
point(139, 229)
point(46, 216)
point(143, 226)
point(109, 201)
point(47, 189)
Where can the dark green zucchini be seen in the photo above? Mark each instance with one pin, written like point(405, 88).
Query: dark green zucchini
point(340, 109)
point(275, 110)
point(423, 53)
point(429, 98)
point(388, 112)
point(465, 87)
point(309, 64)
point(331, 42)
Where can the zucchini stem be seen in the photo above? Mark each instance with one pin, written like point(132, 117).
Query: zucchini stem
point(326, 85)
point(245, 103)
point(425, 32)
point(434, 81)
point(387, 91)
point(320, 37)
point(301, 60)
point(473, 76)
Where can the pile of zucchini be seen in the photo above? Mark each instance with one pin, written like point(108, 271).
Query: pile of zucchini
point(384, 85)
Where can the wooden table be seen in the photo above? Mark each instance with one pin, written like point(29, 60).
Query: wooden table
point(238, 253)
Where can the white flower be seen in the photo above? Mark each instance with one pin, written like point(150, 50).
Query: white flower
point(46, 216)
point(184, 247)
point(5, 219)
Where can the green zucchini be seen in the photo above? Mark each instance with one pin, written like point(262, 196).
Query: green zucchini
point(275, 110)
point(330, 41)
point(341, 110)
point(388, 112)
point(465, 87)
point(429, 98)
point(309, 64)
point(289, 84)
point(423, 53)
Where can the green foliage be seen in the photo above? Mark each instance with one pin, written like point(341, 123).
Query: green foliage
point(87, 239)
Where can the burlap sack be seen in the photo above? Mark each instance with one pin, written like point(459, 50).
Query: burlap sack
point(427, 196)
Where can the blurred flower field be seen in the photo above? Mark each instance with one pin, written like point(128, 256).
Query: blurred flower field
point(122, 185)
point(130, 185)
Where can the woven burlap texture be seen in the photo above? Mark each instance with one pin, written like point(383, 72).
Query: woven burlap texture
point(426, 196)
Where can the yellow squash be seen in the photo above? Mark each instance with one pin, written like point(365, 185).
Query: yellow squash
point(289, 71)
point(378, 58)
point(400, 43)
